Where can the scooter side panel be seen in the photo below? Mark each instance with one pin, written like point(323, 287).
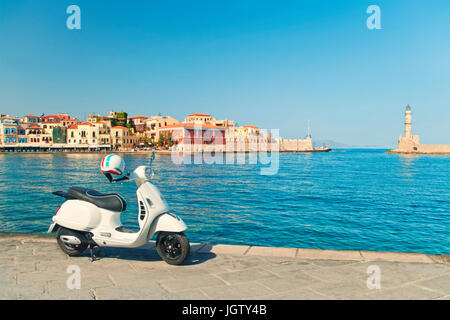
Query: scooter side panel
point(78, 215)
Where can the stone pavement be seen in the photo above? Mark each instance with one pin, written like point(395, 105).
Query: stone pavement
point(33, 267)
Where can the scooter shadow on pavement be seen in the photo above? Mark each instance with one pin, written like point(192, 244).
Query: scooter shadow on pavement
point(148, 253)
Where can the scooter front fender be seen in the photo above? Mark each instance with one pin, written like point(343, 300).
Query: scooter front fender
point(53, 227)
point(167, 222)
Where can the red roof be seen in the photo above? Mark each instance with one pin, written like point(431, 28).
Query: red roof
point(31, 115)
point(250, 126)
point(34, 127)
point(119, 127)
point(139, 117)
point(51, 116)
point(85, 124)
point(200, 114)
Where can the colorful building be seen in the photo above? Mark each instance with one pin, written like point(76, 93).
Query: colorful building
point(189, 137)
point(155, 123)
point(8, 130)
point(138, 124)
point(206, 119)
point(88, 136)
point(122, 139)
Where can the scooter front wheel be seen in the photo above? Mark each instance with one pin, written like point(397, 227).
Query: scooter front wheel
point(173, 248)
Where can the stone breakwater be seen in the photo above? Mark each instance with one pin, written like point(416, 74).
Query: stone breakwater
point(33, 267)
point(420, 152)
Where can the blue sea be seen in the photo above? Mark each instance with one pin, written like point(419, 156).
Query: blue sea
point(346, 199)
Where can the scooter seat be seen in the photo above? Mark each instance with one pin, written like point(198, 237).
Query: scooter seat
point(109, 201)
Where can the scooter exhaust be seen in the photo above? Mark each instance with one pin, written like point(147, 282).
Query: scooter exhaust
point(70, 239)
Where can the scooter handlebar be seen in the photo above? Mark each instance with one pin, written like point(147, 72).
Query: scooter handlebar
point(111, 179)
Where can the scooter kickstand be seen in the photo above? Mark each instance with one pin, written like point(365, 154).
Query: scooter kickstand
point(93, 256)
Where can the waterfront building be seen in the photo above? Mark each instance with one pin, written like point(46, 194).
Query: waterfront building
point(155, 123)
point(86, 136)
point(247, 138)
point(138, 124)
point(200, 118)
point(33, 134)
point(121, 138)
point(242, 139)
point(54, 129)
point(206, 119)
point(195, 137)
point(8, 130)
point(94, 118)
point(411, 143)
point(59, 135)
point(69, 122)
point(104, 132)
point(296, 145)
point(55, 118)
point(118, 118)
point(31, 119)
point(115, 118)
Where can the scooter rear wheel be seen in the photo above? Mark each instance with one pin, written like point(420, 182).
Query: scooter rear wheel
point(173, 248)
point(72, 250)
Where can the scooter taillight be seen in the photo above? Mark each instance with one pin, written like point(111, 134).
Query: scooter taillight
point(58, 210)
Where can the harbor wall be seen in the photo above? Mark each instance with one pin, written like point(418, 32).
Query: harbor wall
point(296, 144)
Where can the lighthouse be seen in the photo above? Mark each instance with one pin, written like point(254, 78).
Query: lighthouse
point(411, 143)
point(408, 122)
point(408, 143)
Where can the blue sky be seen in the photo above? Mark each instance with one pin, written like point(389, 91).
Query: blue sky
point(275, 64)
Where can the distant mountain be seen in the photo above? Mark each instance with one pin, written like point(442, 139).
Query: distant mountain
point(339, 145)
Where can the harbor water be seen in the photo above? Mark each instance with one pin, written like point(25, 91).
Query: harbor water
point(349, 199)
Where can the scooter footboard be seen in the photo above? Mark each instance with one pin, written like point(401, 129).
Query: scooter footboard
point(167, 222)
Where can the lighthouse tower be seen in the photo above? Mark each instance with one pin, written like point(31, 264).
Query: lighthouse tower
point(408, 143)
point(408, 122)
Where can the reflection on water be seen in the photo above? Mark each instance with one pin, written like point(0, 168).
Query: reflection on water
point(361, 199)
point(407, 162)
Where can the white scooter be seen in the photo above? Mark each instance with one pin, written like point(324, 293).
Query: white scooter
point(91, 219)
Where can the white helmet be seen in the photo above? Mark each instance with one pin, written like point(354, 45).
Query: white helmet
point(113, 164)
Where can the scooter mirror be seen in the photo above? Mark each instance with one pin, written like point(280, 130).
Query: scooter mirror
point(152, 158)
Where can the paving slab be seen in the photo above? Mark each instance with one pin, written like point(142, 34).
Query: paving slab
point(408, 292)
point(396, 257)
point(245, 275)
point(247, 290)
point(223, 249)
point(33, 267)
point(298, 294)
point(283, 284)
point(272, 252)
point(440, 284)
point(194, 282)
point(329, 254)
